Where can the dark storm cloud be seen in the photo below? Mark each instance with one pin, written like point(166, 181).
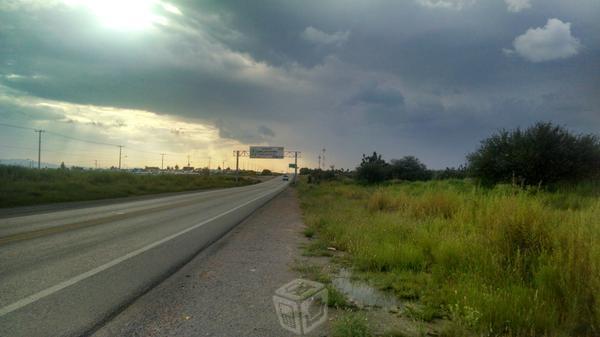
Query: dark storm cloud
point(246, 134)
point(434, 76)
point(265, 131)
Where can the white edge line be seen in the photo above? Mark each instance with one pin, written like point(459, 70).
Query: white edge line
point(62, 285)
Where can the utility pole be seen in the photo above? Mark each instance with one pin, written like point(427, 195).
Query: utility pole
point(237, 165)
point(162, 161)
point(120, 149)
point(209, 165)
point(188, 160)
point(39, 148)
point(319, 161)
point(295, 165)
point(324, 166)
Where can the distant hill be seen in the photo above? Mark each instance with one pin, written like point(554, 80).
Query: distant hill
point(26, 163)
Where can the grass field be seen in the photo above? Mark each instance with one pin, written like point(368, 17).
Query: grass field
point(23, 186)
point(497, 262)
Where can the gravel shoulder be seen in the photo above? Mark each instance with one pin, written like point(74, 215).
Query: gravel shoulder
point(227, 289)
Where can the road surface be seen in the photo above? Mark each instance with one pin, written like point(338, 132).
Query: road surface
point(226, 290)
point(65, 273)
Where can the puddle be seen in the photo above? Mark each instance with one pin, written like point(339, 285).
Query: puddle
point(362, 294)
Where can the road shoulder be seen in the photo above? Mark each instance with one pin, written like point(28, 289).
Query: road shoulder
point(227, 289)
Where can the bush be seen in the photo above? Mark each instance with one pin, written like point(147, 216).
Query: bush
point(542, 154)
point(372, 169)
point(409, 168)
point(451, 173)
point(304, 171)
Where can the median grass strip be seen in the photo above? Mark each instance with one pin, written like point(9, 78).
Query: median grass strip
point(23, 186)
point(496, 261)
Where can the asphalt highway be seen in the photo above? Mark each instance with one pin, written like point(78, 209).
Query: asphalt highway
point(65, 273)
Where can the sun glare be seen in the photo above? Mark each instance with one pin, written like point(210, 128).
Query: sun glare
point(125, 15)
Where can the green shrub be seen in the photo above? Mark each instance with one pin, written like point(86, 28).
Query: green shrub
point(542, 154)
point(409, 168)
point(373, 169)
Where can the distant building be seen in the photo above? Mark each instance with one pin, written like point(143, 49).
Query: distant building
point(187, 168)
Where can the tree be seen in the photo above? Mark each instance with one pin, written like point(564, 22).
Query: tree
point(542, 154)
point(62, 165)
point(372, 169)
point(409, 168)
point(452, 173)
point(266, 172)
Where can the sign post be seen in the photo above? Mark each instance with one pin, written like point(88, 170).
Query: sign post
point(295, 166)
point(267, 152)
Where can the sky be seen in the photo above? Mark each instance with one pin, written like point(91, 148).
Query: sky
point(429, 78)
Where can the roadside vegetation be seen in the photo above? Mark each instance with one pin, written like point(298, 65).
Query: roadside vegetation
point(513, 250)
point(21, 186)
point(500, 261)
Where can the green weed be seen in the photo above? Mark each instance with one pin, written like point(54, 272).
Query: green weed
point(499, 261)
point(351, 325)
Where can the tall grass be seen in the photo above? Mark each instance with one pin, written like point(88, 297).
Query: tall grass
point(23, 186)
point(500, 261)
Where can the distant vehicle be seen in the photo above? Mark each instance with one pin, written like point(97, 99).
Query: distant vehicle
point(285, 177)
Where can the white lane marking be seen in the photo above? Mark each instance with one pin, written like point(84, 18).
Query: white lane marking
point(62, 285)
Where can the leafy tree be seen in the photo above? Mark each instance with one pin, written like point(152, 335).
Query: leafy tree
point(452, 173)
point(372, 169)
point(266, 172)
point(409, 168)
point(542, 154)
point(304, 171)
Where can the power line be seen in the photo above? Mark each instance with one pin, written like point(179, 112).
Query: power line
point(57, 134)
point(17, 126)
point(80, 139)
point(17, 147)
point(76, 139)
point(122, 154)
